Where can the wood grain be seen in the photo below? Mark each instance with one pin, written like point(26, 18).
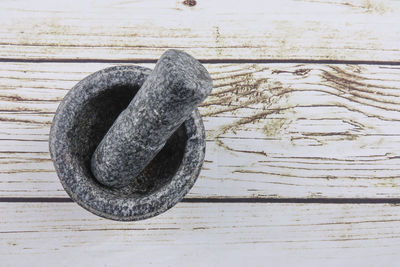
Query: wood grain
point(292, 132)
point(273, 130)
point(203, 235)
point(366, 30)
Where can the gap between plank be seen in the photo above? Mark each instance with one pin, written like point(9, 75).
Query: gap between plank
point(228, 200)
point(205, 61)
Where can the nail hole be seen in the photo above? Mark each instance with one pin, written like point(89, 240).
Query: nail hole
point(189, 2)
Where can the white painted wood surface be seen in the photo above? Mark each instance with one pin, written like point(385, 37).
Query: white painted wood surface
point(203, 234)
point(251, 29)
point(273, 130)
point(314, 124)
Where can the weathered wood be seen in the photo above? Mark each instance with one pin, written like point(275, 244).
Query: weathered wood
point(203, 235)
point(273, 130)
point(252, 29)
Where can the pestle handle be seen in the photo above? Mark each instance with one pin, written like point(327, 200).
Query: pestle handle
point(176, 86)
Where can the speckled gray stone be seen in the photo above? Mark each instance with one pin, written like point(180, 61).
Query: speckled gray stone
point(82, 120)
point(170, 93)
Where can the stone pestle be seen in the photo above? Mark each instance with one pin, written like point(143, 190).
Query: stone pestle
point(172, 91)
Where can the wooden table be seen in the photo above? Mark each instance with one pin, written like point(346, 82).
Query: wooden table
point(303, 132)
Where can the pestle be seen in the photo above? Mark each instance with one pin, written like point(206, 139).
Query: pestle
point(172, 91)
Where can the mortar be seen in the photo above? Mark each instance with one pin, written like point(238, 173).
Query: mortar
point(82, 120)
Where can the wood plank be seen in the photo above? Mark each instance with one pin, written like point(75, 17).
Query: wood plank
point(128, 30)
point(273, 130)
point(203, 235)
